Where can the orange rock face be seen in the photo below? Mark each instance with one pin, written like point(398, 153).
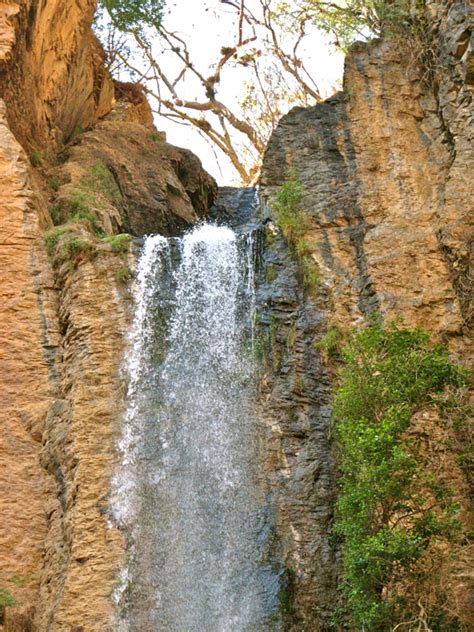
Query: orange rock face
point(63, 320)
point(387, 174)
point(387, 183)
point(83, 551)
point(55, 78)
point(25, 392)
point(37, 489)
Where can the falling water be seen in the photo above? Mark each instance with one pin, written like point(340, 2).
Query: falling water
point(187, 492)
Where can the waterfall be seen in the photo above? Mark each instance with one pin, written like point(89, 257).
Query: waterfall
point(188, 492)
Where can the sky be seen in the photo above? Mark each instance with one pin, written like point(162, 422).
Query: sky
point(207, 25)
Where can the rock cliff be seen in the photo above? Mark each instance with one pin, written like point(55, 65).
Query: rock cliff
point(74, 148)
point(386, 174)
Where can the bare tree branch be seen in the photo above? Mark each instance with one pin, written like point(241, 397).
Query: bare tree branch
point(240, 135)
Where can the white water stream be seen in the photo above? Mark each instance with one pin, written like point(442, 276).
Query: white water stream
point(187, 492)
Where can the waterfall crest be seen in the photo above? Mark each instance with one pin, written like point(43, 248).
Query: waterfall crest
point(187, 492)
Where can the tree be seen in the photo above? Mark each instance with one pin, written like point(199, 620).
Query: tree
point(348, 20)
point(271, 77)
point(133, 15)
point(265, 45)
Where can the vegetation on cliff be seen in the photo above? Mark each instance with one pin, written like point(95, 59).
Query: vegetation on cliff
point(6, 601)
point(397, 513)
point(80, 219)
point(294, 223)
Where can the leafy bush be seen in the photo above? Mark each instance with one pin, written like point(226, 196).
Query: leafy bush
point(36, 159)
point(55, 183)
point(330, 343)
point(270, 274)
point(70, 247)
point(157, 137)
point(55, 214)
point(288, 208)
point(96, 191)
point(18, 580)
point(294, 223)
point(74, 246)
point(79, 213)
point(385, 514)
point(51, 238)
point(78, 130)
point(100, 180)
point(351, 19)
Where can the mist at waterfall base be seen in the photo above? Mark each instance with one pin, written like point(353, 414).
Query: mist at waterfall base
point(187, 493)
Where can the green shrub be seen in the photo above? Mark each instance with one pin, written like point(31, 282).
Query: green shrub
point(294, 223)
point(84, 217)
point(270, 274)
point(135, 15)
point(100, 180)
point(384, 514)
point(18, 580)
point(54, 183)
point(348, 20)
point(288, 207)
point(157, 137)
point(310, 273)
point(79, 213)
point(330, 343)
point(78, 130)
point(55, 213)
point(96, 191)
point(118, 243)
point(74, 246)
point(51, 238)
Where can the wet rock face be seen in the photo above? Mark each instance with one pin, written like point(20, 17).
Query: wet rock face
point(236, 207)
point(294, 405)
point(295, 395)
point(315, 143)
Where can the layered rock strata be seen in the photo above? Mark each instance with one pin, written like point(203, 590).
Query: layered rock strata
point(65, 314)
point(386, 171)
point(25, 388)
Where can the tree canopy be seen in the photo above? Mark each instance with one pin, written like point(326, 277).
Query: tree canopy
point(133, 15)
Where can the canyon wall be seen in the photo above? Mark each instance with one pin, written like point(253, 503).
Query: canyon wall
point(386, 168)
point(74, 148)
point(386, 172)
